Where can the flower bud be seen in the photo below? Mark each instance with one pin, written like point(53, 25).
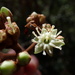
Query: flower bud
point(42, 18)
point(23, 58)
point(6, 11)
point(7, 67)
point(12, 28)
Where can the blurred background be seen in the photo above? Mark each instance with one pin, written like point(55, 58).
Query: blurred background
point(60, 13)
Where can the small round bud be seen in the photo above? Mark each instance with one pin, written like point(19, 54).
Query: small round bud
point(23, 58)
point(7, 67)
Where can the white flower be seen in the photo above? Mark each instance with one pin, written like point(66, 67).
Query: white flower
point(47, 39)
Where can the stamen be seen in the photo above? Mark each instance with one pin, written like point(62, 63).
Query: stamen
point(47, 38)
point(53, 27)
point(34, 34)
point(37, 31)
point(43, 25)
point(9, 20)
point(44, 53)
point(59, 33)
point(50, 51)
point(34, 41)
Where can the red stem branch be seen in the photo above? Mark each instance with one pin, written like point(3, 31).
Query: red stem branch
point(18, 48)
point(31, 47)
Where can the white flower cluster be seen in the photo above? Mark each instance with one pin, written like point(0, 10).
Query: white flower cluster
point(46, 39)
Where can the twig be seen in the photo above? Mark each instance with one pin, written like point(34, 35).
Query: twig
point(4, 56)
point(30, 47)
point(18, 48)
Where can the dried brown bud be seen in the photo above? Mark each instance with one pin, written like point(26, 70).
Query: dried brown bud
point(35, 20)
point(2, 35)
point(13, 29)
point(41, 18)
point(33, 16)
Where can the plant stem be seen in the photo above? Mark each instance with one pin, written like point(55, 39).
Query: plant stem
point(31, 47)
point(18, 48)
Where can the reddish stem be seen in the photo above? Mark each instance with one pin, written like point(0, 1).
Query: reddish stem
point(4, 56)
point(18, 48)
point(31, 47)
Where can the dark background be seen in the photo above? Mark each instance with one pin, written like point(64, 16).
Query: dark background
point(60, 13)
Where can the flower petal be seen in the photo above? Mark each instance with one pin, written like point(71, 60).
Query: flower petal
point(57, 43)
point(50, 52)
point(54, 31)
point(43, 31)
point(38, 49)
point(44, 53)
point(35, 40)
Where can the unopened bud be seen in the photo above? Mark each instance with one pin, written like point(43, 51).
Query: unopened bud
point(7, 67)
point(11, 28)
point(24, 58)
point(34, 14)
point(6, 11)
point(42, 18)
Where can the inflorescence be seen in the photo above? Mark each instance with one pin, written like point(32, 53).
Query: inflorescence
point(46, 37)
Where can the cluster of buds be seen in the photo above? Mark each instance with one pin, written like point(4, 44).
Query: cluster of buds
point(9, 34)
point(9, 31)
point(9, 67)
point(35, 20)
